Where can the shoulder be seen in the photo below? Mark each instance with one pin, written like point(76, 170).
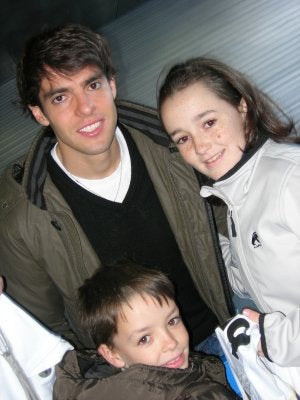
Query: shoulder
point(13, 196)
point(143, 119)
point(284, 152)
point(277, 163)
point(210, 364)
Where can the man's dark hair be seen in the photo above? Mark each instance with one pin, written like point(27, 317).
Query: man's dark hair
point(65, 49)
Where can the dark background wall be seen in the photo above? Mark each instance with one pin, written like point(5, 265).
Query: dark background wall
point(259, 37)
point(19, 19)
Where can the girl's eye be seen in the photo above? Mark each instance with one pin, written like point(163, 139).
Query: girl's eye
point(182, 140)
point(174, 321)
point(210, 123)
point(144, 340)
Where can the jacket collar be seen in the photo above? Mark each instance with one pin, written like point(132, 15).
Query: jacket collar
point(233, 187)
point(33, 173)
point(245, 157)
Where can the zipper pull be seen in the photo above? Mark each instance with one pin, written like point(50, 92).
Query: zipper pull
point(233, 231)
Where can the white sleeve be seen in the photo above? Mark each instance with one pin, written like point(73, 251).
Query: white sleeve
point(281, 338)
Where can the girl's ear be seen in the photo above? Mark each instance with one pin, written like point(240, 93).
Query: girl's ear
point(243, 107)
point(111, 356)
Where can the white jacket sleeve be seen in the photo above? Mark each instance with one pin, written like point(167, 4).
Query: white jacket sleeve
point(280, 337)
point(281, 331)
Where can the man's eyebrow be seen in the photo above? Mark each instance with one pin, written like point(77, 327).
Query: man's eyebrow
point(53, 92)
point(93, 78)
point(195, 119)
point(60, 90)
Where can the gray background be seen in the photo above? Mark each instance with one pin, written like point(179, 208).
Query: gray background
point(259, 37)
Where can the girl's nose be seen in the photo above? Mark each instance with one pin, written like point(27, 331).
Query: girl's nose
point(201, 145)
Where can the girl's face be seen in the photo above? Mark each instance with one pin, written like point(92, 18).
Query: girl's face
point(149, 333)
point(208, 131)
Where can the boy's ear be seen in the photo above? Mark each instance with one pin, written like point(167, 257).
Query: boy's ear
point(111, 356)
point(39, 115)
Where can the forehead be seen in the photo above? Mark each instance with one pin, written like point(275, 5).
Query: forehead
point(194, 101)
point(142, 305)
point(195, 91)
point(53, 78)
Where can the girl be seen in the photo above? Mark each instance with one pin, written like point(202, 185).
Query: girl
point(231, 133)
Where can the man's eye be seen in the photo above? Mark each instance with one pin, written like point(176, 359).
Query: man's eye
point(95, 85)
point(58, 99)
point(144, 340)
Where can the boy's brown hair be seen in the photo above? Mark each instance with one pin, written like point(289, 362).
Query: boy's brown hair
point(103, 295)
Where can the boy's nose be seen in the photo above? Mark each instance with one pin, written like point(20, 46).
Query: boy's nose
point(169, 342)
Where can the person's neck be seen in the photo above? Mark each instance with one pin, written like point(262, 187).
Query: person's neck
point(92, 166)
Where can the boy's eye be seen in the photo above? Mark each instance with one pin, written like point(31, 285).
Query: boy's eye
point(174, 321)
point(144, 340)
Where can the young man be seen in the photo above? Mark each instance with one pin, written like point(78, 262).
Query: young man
point(135, 323)
point(92, 190)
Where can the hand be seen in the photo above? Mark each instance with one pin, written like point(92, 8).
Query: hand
point(254, 316)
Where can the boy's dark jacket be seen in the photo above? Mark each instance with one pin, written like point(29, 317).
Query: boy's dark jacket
point(85, 375)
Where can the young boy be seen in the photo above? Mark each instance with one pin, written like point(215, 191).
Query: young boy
point(142, 344)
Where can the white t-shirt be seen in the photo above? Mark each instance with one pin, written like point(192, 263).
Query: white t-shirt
point(113, 187)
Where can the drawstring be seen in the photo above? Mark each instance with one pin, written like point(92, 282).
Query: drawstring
point(233, 231)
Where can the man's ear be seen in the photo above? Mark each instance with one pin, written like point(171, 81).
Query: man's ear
point(113, 86)
point(111, 356)
point(39, 115)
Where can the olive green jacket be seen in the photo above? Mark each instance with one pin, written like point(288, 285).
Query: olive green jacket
point(46, 256)
point(85, 376)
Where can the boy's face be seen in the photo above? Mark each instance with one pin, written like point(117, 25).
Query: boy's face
point(149, 333)
point(81, 110)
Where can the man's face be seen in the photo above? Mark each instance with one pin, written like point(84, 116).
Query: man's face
point(151, 334)
point(81, 110)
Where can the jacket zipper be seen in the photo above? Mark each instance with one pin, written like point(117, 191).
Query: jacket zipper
point(233, 231)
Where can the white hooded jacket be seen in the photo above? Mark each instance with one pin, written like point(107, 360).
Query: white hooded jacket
point(262, 255)
point(28, 354)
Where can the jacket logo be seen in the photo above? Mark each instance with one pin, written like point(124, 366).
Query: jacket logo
point(255, 241)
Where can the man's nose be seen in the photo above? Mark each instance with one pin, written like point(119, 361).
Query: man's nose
point(84, 104)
